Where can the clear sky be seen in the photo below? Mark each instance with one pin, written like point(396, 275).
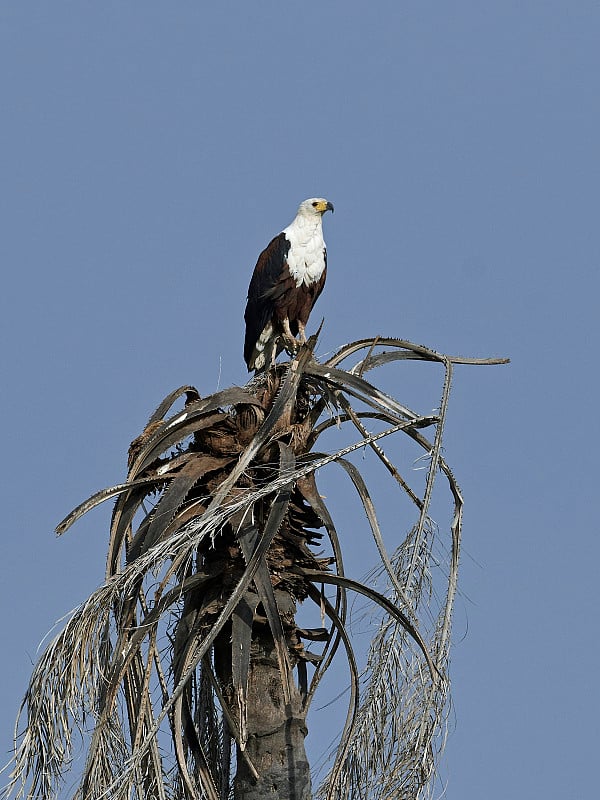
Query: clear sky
point(149, 151)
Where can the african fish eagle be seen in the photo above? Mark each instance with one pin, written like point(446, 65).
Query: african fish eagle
point(287, 280)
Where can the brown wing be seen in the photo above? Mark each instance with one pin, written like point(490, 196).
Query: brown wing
point(264, 290)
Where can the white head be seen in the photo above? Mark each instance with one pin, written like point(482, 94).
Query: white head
point(314, 207)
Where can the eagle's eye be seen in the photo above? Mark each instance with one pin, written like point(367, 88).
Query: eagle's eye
point(315, 204)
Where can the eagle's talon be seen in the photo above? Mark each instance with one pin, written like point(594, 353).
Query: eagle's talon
point(291, 345)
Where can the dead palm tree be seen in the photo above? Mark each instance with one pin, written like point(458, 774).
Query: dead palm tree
point(186, 674)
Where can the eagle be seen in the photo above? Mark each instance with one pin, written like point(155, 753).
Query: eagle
point(287, 280)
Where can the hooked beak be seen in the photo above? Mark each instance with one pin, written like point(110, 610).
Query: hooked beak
point(322, 206)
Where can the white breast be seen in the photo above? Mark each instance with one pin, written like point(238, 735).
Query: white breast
point(306, 256)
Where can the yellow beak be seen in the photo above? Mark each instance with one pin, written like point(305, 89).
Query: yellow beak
point(323, 206)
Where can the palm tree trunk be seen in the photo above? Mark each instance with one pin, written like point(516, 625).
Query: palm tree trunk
point(276, 732)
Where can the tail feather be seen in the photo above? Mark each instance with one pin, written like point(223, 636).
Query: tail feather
point(265, 350)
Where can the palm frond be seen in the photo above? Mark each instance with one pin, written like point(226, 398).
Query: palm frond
point(211, 548)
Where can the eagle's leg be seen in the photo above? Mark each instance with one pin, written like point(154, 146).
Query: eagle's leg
point(289, 340)
point(301, 332)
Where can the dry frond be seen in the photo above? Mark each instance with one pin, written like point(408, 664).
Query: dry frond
point(212, 545)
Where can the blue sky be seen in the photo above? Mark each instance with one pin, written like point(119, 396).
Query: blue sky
point(149, 151)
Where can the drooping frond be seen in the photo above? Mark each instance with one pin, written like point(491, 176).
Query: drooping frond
point(211, 545)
